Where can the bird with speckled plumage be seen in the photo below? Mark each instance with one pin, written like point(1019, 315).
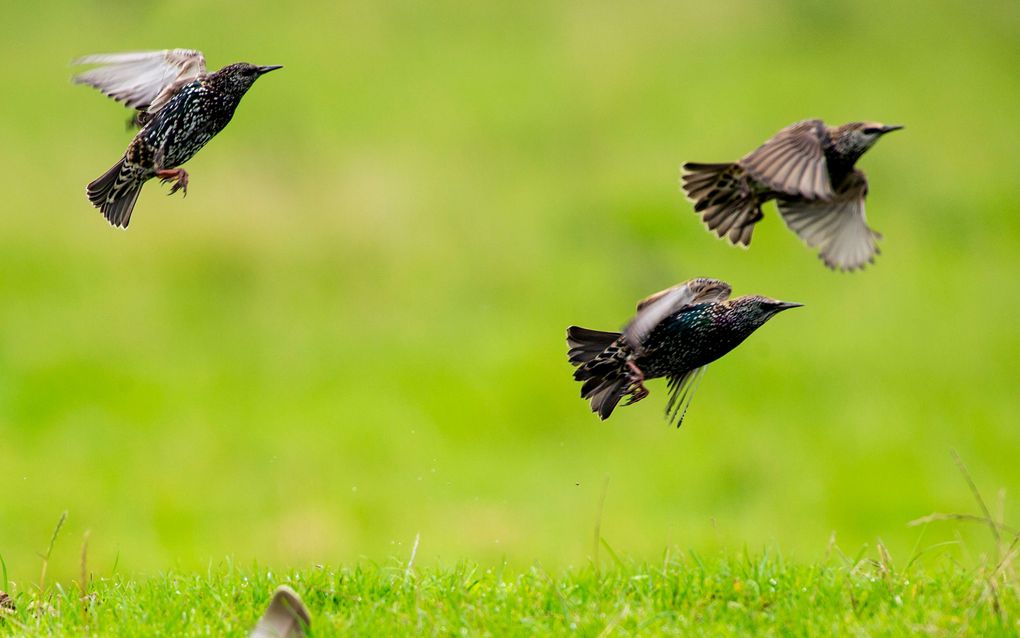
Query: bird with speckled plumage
point(675, 334)
point(180, 107)
point(808, 168)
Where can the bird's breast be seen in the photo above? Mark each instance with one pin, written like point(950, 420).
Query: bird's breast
point(181, 128)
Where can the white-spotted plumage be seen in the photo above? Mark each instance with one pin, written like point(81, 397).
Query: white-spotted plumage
point(181, 108)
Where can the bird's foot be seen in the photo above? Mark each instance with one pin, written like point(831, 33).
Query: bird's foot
point(178, 176)
point(636, 389)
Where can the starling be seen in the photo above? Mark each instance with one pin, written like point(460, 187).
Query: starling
point(286, 616)
point(808, 168)
point(675, 334)
point(180, 107)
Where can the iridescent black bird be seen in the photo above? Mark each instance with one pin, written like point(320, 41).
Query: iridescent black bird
point(675, 334)
point(808, 168)
point(180, 108)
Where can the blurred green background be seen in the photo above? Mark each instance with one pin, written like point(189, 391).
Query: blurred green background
point(352, 329)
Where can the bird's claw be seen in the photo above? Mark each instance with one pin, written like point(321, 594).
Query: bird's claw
point(179, 177)
point(636, 389)
point(179, 185)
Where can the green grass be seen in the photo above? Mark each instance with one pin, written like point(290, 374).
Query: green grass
point(751, 594)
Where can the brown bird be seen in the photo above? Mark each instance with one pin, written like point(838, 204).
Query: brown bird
point(180, 107)
point(808, 168)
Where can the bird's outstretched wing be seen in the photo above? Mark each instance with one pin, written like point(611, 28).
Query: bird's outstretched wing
point(145, 80)
point(793, 161)
point(654, 308)
point(836, 227)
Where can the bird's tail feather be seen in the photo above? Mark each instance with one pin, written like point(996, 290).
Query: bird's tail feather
point(606, 395)
point(723, 198)
point(601, 366)
point(115, 195)
point(585, 344)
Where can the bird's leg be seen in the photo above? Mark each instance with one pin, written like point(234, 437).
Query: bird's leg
point(637, 388)
point(179, 177)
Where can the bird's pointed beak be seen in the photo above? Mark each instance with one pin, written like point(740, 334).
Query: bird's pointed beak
point(890, 128)
point(266, 69)
point(786, 305)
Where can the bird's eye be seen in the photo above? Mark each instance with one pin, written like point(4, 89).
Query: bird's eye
point(248, 72)
point(871, 130)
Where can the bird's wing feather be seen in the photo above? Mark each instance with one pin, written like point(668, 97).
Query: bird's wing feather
point(681, 390)
point(143, 80)
point(286, 616)
point(793, 161)
point(837, 227)
point(654, 308)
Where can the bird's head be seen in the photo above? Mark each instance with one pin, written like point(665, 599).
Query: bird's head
point(757, 309)
point(238, 77)
point(858, 137)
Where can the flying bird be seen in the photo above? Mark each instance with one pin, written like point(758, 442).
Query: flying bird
point(675, 334)
point(180, 107)
point(808, 168)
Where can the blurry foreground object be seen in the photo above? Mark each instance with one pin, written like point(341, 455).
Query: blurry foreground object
point(180, 108)
point(808, 168)
point(675, 334)
point(286, 616)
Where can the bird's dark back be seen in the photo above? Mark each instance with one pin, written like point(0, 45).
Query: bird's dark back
point(693, 337)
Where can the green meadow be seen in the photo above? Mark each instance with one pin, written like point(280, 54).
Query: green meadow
point(752, 594)
point(350, 333)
